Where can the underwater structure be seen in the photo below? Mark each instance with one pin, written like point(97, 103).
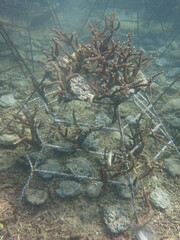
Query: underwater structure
point(94, 101)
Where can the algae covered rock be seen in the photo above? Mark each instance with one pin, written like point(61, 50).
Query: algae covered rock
point(79, 166)
point(51, 166)
point(68, 189)
point(35, 196)
point(8, 140)
point(93, 189)
point(116, 219)
point(7, 100)
point(160, 199)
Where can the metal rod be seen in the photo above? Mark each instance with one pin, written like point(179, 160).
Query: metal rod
point(138, 37)
point(54, 15)
point(164, 92)
point(87, 17)
point(29, 34)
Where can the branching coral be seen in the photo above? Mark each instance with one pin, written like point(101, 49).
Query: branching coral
point(110, 67)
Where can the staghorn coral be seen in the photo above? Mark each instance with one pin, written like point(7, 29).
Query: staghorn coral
point(111, 69)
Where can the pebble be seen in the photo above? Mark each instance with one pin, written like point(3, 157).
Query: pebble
point(69, 189)
point(35, 196)
point(116, 219)
point(160, 199)
point(7, 100)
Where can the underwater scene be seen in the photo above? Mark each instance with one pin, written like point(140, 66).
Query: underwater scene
point(89, 119)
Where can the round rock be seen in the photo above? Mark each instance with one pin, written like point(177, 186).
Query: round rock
point(94, 189)
point(79, 166)
point(35, 196)
point(115, 219)
point(123, 190)
point(52, 166)
point(68, 189)
point(103, 119)
point(160, 199)
point(8, 140)
point(91, 142)
point(7, 100)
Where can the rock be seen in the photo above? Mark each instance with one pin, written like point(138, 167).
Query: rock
point(8, 140)
point(35, 196)
point(160, 199)
point(115, 219)
point(34, 156)
point(115, 135)
point(50, 165)
point(91, 142)
point(6, 160)
point(79, 166)
point(18, 85)
point(123, 189)
point(103, 119)
point(80, 87)
point(7, 100)
point(94, 189)
point(172, 166)
point(68, 189)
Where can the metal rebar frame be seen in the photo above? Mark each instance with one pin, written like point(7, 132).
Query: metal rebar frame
point(140, 99)
point(145, 107)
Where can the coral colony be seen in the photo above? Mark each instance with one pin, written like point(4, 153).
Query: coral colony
point(104, 68)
